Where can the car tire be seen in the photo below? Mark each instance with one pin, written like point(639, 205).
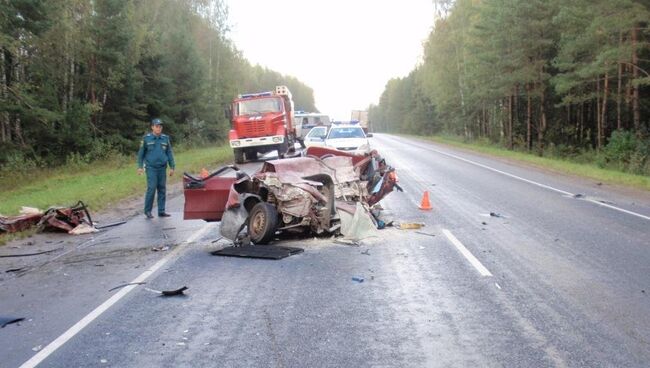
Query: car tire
point(239, 156)
point(262, 222)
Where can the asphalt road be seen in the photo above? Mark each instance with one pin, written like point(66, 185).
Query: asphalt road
point(556, 280)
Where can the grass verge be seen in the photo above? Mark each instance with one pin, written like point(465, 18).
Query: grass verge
point(564, 166)
point(100, 184)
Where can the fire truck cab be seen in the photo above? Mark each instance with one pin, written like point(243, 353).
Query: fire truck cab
point(261, 123)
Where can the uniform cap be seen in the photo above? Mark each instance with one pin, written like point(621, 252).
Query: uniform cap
point(156, 121)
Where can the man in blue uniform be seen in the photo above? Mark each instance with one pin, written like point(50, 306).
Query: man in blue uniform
point(154, 156)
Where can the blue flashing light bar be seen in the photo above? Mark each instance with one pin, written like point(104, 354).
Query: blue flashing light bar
point(351, 122)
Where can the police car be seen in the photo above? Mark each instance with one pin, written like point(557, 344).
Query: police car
point(348, 136)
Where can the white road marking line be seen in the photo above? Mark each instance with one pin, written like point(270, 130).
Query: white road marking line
point(497, 285)
point(616, 208)
point(540, 184)
point(72, 331)
point(467, 254)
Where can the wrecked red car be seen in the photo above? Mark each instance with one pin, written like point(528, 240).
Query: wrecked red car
point(327, 191)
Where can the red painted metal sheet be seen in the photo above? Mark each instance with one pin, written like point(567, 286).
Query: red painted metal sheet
point(207, 202)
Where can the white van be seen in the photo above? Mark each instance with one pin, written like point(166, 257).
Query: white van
point(304, 121)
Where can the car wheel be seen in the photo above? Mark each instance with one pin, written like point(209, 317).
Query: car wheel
point(262, 222)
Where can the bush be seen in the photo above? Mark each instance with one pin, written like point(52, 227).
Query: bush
point(626, 152)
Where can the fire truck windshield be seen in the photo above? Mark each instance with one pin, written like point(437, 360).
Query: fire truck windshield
point(258, 106)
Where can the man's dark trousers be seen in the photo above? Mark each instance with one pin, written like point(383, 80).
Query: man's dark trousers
point(156, 181)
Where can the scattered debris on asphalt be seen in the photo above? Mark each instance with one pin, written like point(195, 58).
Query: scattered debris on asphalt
point(83, 229)
point(358, 279)
point(161, 248)
point(494, 214)
point(169, 228)
point(366, 252)
point(382, 225)
point(410, 225)
point(111, 225)
point(14, 269)
point(127, 284)
point(175, 292)
point(353, 243)
point(30, 254)
point(483, 223)
point(258, 251)
point(5, 321)
point(423, 233)
point(578, 195)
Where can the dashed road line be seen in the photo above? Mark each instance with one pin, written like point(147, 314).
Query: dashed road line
point(563, 192)
point(90, 317)
point(467, 254)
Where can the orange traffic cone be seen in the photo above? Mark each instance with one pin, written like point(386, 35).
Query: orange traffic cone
point(204, 173)
point(425, 204)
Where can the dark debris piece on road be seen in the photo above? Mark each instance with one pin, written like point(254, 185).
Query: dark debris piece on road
point(110, 225)
point(29, 254)
point(4, 321)
point(175, 292)
point(258, 251)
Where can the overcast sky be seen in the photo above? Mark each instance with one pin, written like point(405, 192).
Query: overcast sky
point(346, 50)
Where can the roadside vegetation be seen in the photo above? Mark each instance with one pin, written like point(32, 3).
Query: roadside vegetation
point(563, 80)
point(596, 166)
point(80, 80)
point(98, 183)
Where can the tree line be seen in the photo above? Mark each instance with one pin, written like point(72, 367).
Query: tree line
point(539, 75)
point(82, 78)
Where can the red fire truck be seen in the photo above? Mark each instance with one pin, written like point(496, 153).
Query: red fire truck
point(261, 123)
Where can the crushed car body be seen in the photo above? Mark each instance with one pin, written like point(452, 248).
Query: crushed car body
point(327, 191)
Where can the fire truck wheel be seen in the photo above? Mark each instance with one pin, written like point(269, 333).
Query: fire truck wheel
point(262, 222)
point(282, 149)
point(251, 155)
point(239, 156)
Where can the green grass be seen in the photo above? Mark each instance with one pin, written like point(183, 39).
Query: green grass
point(100, 184)
point(591, 171)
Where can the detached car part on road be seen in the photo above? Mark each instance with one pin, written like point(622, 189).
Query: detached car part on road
point(328, 191)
